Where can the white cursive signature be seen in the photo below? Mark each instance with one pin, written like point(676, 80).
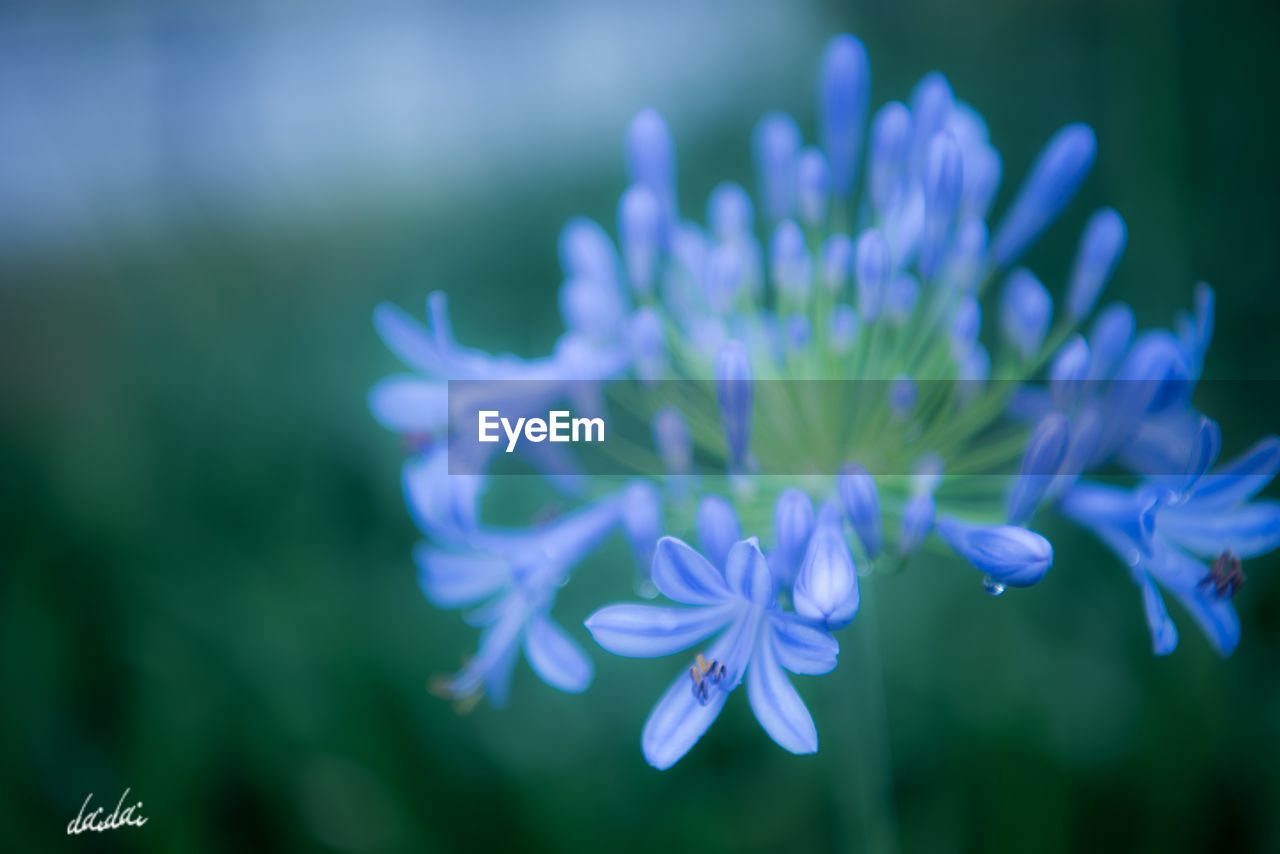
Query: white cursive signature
point(97, 822)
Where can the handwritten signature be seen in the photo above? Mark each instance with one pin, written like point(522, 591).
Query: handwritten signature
point(97, 822)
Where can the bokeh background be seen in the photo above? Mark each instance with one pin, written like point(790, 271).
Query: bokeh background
point(207, 588)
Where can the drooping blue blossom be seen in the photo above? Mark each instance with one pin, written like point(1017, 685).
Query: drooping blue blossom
point(509, 581)
point(789, 259)
point(757, 641)
point(1214, 517)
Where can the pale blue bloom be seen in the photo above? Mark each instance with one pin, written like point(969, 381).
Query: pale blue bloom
point(756, 641)
point(508, 579)
point(1165, 539)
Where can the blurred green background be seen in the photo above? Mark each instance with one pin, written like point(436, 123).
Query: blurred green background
point(208, 595)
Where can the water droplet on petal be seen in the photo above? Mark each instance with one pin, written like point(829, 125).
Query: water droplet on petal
point(993, 587)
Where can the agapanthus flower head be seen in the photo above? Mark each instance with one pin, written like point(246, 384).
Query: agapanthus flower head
point(827, 344)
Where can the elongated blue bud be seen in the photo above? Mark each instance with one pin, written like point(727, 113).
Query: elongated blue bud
point(1045, 452)
point(642, 519)
point(724, 276)
point(586, 252)
point(733, 390)
point(967, 259)
point(1056, 176)
point(718, 529)
point(901, 296)
point(648, 344)
point(826, 588)
point(931, 105)
point(974, 371)
point(872, 270)
point(1068, 372)
point(1100, 249)
point(813, 186)
point(861, 502)
point(671, 436)
point(730, 212)
point(845, 325)
point(1026, 310)
point(982, 171)
point(651, 161)
point(591, 307)
point(902, 396)
point(890, 146)
point(1109, 339)
point(965, 326)
point(917, 522)
point(790, 264)
point(775, 142)
point(1007, 554)
point(792, 525)
point(640, 230)
point(799, 332)
point(837, 262)
point(943, 179)
point(844, 92)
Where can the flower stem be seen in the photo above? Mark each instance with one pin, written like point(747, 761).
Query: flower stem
point(864, 761)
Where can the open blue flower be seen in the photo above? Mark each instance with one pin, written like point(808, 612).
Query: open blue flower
point(1165, 539)
point(757, 641)
point(508, 579)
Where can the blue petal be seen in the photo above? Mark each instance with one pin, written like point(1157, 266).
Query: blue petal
point(556, 657)
point(647, 631)
point(1240, 479)
point(407, 404)
point(775, 141)
point(1248, 530)
point(405, 337)
point(776, 704)
point(458, 579)
point(748, 574)
point(676, 723)
point(801, 647)
point(683, 575)
point(718, 528)
point(1164, 634)
point(1181, 574)
point(845, 83)
point(442, 505)
point(792, 526)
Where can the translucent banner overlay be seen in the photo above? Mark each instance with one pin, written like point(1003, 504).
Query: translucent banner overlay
point(815, 427)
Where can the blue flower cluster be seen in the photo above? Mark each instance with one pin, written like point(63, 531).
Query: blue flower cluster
point(864, 257)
